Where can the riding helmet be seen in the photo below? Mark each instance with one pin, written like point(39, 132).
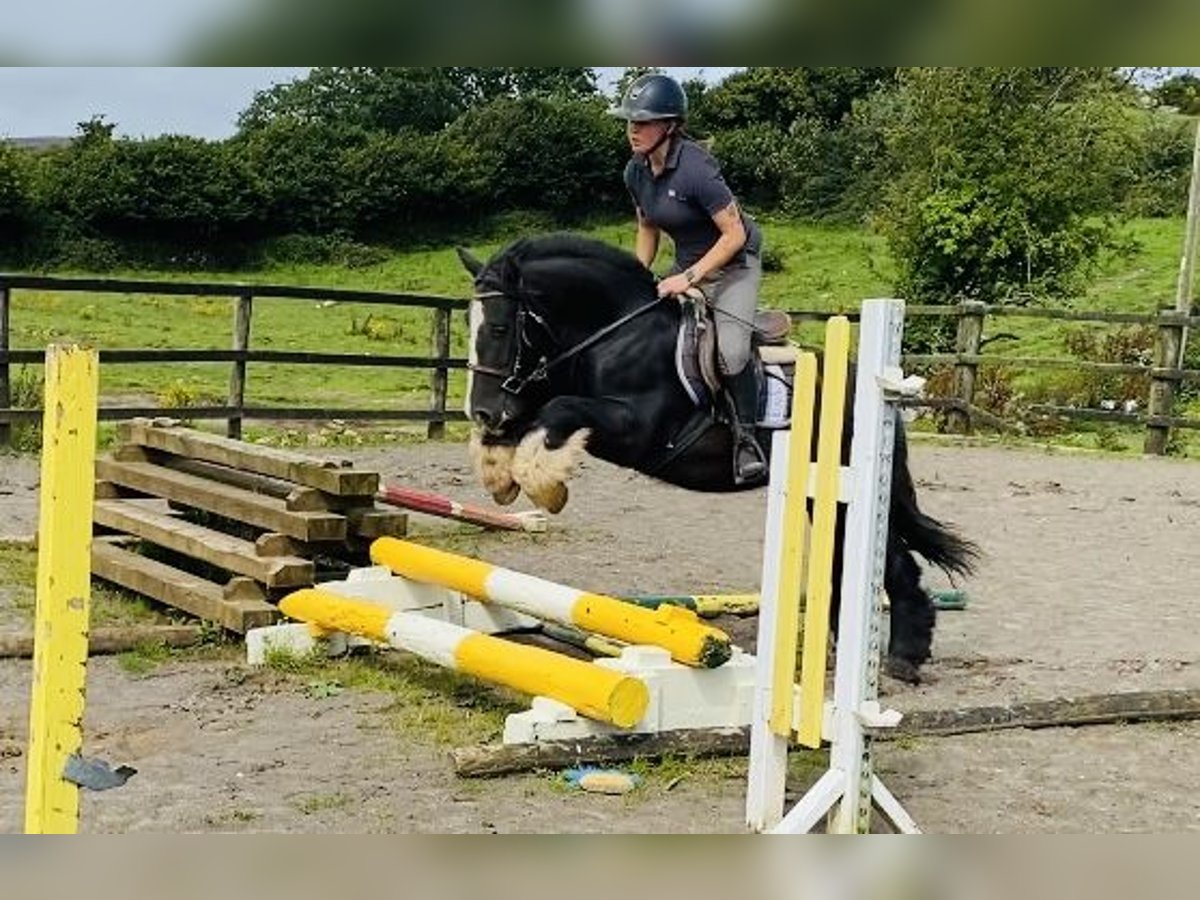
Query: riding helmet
point(652, 97)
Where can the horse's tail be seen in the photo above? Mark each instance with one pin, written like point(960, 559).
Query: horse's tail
point(936, 542)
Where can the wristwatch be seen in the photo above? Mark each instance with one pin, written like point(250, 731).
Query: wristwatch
point(690, 274)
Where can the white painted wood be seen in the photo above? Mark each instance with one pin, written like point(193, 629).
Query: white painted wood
point(816, 802)
point(850, 786)
point(768, 751)
point(891, 808)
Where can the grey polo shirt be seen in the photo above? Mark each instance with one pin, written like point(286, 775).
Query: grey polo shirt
point(683, 198)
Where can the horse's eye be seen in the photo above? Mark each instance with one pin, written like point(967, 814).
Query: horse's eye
point(499, 329)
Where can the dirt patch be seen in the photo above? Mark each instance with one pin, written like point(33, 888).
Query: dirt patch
point(1084, 588)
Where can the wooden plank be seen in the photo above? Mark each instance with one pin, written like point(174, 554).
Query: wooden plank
point(249, 481)
point(179, 589)
point(274, 544)
point(324, 474)
point(299, 498)
point(215, 547)
point(225, 500)
point(1060, 712)
point(228, 289)
point(113, 639)
point(1063, 712)
point(375, 523)
point(484, 760)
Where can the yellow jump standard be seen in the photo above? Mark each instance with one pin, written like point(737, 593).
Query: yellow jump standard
point(671, 627)
point(63, 588)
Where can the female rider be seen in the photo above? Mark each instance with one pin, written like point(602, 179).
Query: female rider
point(677, 187)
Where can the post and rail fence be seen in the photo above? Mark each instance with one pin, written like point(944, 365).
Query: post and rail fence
point(1165, 374)
point(236, 410)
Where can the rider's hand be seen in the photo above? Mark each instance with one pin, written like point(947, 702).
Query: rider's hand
point(673, 285)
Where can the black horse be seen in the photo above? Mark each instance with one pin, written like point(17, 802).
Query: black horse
point(572, 352)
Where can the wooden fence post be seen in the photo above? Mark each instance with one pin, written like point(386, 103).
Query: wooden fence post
point(967, 343)
point(5, 389)
point(1168, 360)
point(237, 376)
point(439, 377)
point(1172, 337)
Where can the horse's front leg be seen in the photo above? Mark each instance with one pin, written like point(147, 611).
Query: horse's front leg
point(493, 465)
point(549, 455)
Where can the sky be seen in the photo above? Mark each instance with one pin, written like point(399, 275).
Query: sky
point(149, 101)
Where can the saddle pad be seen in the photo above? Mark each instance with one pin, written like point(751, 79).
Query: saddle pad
point(779, 354)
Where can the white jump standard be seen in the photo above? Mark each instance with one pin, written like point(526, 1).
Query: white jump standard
point(847, 789)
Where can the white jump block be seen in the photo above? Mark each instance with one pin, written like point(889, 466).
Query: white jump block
point(294, 639)
point(379, 585)
point(680, 697)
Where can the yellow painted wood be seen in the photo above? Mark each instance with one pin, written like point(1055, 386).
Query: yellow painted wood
point(793, 549)
point(63, 588)
point(432, 566)
point(333, 612)
point(733, 604)
point(596, 692)
point(820, 571)
point(673, 628)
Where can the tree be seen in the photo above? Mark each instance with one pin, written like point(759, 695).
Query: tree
point(15, 201)
point(361, 97)
point(776, 96)
point(481, 85)
point(1181, 92)
point(393, 99)
point(995, 178)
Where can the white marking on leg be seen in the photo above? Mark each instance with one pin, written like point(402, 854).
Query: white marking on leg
point(543, 472)
point(493, 467)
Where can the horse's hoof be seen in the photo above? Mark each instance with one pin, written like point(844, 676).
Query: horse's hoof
point(507, 495)
point(902, 670)
point(551, 498)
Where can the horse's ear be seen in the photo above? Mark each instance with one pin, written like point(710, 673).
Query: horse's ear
point(469, 261)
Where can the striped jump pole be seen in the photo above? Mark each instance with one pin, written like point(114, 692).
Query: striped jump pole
point(595, 692)
point(674, 628)
point(439, 505)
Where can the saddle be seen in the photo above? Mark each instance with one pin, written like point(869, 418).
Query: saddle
point(696, 347)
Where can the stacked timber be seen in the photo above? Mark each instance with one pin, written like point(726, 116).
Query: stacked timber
point(220, 528)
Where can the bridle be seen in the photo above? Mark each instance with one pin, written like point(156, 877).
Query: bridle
point(514, 382)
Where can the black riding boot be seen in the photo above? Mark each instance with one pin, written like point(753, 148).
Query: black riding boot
point(749, 461)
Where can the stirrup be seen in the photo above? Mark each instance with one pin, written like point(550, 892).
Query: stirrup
point(749, 462)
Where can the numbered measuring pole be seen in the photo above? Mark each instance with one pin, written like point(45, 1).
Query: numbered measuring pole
point(63, 588)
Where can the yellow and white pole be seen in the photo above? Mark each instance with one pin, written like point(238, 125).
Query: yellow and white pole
point(673, 628)
point(63, 588)
point(598, 693)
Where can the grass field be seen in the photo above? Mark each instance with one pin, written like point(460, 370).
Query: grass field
point(823, 267)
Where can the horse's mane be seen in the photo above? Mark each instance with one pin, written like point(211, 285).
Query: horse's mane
point(587, 250)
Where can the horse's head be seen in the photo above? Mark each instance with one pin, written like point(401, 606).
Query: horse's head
point(507, 344)
point(537, 302)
